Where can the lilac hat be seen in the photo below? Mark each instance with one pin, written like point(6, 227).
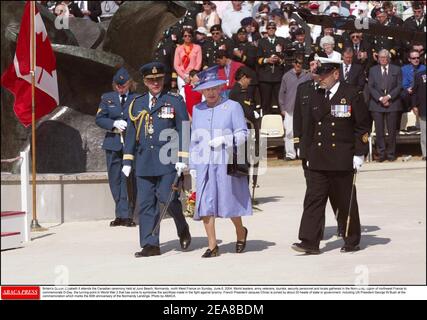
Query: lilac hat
point(209, 79)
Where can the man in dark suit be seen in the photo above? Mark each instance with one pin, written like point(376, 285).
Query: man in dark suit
point(350, 72)
point(385, 86)
point(338, 142)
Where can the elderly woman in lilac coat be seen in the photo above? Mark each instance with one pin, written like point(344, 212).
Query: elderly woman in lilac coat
point(218, 125)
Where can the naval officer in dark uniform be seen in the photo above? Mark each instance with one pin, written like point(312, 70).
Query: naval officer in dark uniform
point(156, 146)
point(303, 132)
point(112, 116)
point(339, 132)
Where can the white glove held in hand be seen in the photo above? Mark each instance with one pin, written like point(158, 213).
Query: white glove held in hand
point(256, 115)
point(216, 142)
point(357, 162)
point(120, 124)
point(180, 167)
point(193, 173)
point(126, 170)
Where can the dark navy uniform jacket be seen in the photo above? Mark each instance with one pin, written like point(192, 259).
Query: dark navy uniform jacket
point(339, 129)
point(109, 111)
point(302, 117)
point(169, 138)
point(266, 71)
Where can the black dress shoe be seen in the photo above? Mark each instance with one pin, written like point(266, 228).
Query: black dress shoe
point(241, 245)
point(185, 239)
point(211, 253)
point(116, 222)
point(129, 222)
point(350, 249)
point(299, 247)
point(381, 159)
point(148, 251)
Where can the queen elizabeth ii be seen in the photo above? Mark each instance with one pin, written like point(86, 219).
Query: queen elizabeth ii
point(218, 125)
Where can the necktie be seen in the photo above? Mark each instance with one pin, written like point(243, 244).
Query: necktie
point(272, 41)
point(356, 49)
point(153, 102)
point(346, 72)
point(122, 99)
point(328, 94)
point(384, 71)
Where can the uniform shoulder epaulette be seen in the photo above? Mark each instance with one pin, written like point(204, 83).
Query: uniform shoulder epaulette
point(174, 94)
point(106, 95)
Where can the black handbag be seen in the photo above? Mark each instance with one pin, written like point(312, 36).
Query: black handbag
point(236, 169)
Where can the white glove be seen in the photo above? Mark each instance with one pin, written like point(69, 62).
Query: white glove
point(216, 142)
point(193, 173)
point(357, 162)
point(120, 124)
point(256, 115)
point(126, 170)
point(180, 167)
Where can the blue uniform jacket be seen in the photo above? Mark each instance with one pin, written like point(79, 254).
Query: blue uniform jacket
point(155, 151)
point(109, 111)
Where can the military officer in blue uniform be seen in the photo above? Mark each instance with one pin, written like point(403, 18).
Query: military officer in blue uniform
point(154, 146)
point(112, 116)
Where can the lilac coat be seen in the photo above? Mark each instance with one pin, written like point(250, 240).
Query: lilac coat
point(218, 194)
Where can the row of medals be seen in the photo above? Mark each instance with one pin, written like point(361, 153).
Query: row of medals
point(165, 113)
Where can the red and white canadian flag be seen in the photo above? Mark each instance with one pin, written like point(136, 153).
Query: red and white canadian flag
point(17, 78)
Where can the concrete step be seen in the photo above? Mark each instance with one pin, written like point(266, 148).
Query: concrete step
point(13, 226)
point(11, 240)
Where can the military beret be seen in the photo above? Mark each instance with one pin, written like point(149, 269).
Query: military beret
point(121, 77)
point(246, 21)
point(153, 70)
point(241, 30)
point(216, 27)
point(314, 6)
point(271, 24)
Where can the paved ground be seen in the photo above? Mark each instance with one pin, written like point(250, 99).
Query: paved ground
point(392, 200)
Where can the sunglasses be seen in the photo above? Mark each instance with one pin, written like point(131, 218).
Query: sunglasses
point(414, 58)
point(187, 36)
point(271, 28)
point(215, 33)
point(355, 37)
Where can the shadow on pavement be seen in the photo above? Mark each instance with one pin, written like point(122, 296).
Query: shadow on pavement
point(268, 199)
point(197, 243)
point(42, 236)
point(366, 242)
point(331, 232)
point(251, 246)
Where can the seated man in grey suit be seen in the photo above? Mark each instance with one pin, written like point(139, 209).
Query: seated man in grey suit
point(385, 85)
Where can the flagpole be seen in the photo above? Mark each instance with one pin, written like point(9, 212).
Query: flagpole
point(35, 226)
